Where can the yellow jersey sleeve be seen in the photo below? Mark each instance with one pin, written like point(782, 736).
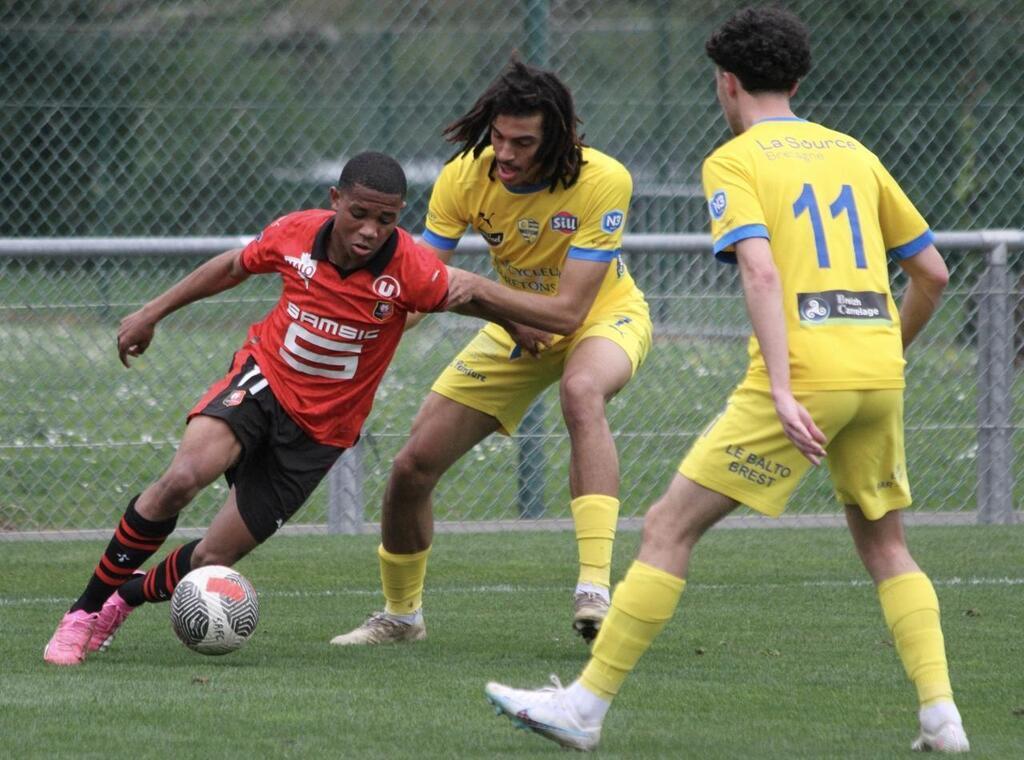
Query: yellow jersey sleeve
point(904, 231)
point(603, 221)
point(447, 219)
point(733, 205)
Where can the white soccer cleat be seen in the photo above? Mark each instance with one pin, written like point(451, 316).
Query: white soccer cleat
point(949, 738)
point(546, 711)
point(941, 730)
point(382, 628)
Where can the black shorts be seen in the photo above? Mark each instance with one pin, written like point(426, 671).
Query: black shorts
point(280, 464)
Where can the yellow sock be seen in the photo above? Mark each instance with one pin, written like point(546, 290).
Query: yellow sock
point(595, 516)
point(402, 577)
point(911, 611)
point(643, 602)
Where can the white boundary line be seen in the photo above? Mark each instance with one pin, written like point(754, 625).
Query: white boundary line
point(10, 601)
point(747, 520)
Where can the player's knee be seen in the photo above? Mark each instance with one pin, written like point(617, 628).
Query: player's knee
point(667, 527)
point(206, 554)
point(177, 487)
point(582, 399)
point(413, 465)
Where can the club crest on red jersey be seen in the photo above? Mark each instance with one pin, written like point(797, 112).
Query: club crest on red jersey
point(235, 398)
point(387, 286)
point(383, 311)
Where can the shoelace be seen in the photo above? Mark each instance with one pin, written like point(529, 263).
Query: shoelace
point(70, 634)
point(382, 619)
point(556, 686)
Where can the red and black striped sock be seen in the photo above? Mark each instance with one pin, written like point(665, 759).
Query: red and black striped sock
point(135, 540)
point(159, 583)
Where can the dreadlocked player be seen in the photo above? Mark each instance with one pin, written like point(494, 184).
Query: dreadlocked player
point(552, 211)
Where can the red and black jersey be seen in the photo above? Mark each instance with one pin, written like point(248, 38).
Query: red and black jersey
point(325, 346)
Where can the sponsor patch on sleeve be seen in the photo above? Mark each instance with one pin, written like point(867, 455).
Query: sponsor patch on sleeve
point(717, 204)
point(612, 220)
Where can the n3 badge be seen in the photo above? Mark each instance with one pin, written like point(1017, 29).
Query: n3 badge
point(612, 220)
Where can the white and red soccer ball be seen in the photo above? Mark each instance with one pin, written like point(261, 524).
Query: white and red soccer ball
point(214, 610)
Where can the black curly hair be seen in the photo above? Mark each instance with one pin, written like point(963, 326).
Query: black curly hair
point(767, 48)
point(377, 171)
point(523, 90)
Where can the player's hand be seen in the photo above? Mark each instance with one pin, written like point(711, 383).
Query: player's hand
point(460, 287)
point(800, 428)
point(134, 335)
point(530, 339)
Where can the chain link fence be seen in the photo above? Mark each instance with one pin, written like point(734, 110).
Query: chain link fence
point(160, 118)
point(80, 434)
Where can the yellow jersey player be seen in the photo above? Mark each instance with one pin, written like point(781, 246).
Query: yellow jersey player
point(552, 212)
point(809, 215)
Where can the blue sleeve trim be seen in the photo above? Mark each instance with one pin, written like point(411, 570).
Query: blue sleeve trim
point(592, 254)
point(732, 237)
point(438, 241)
point(914, 247)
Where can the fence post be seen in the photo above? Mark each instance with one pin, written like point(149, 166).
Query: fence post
point(995, 398)
point(531, 473)
point(345, 493)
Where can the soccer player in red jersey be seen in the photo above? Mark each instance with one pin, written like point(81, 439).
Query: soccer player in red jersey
point(294, 399)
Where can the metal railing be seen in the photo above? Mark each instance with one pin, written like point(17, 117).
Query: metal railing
point(992, 299)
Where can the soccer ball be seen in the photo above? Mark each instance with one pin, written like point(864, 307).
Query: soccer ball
point(214, 610)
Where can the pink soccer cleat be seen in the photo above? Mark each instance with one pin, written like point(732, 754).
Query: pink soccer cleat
point(114, 612)
point(69, 643)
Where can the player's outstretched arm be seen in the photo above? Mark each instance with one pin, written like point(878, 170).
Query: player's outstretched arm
point(762, 290)
point(461, 287)
point(928, 278)
point(562, 313)
point(220, 273)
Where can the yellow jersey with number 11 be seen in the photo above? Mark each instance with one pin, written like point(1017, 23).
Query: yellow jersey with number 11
point(832, 213)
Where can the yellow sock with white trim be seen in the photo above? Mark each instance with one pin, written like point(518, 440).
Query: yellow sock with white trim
point(402, 576)
point(595, 517)
point(643, 602)
point(911, 611)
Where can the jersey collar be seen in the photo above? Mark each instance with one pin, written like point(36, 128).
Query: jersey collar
point(778, 118)
point(376, 265)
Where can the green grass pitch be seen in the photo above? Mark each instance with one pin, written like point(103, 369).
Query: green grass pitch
point(778, 650)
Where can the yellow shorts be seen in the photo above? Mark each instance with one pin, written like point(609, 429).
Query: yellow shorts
point(493, 376)
point(744, 453)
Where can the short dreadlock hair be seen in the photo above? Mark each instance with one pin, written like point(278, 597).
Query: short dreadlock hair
point(767, 48)
point(523, 90)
